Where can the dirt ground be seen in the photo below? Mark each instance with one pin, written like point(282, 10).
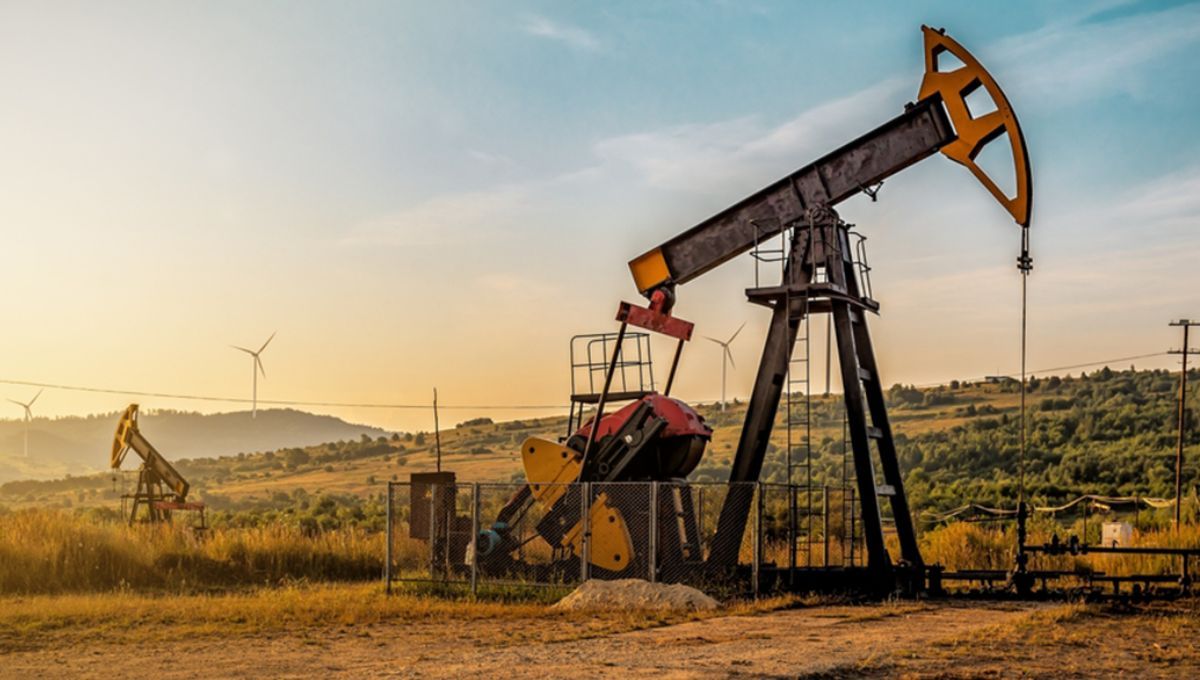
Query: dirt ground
point(915, 640)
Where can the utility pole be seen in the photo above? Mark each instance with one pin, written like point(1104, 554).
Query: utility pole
point(1186, 324)
point(437, 432)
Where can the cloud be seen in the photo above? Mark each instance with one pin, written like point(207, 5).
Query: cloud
point(480, 216)
point(510, 289)
point(722, 160)
point(446, 220)
point(706, 157)
point(1171, 202)
point(1138, 254)
point(1065, 62)
point(566, 34)
point(1056, 65)
point(1151, 213)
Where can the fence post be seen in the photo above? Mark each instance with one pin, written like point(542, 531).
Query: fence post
point(387, 563)
point(825, 523)
point(585, 552)
point(853, 524)
point(433, 489)
point(474, 539)
point(758, 529)
point(652, 539)
point(792, 522)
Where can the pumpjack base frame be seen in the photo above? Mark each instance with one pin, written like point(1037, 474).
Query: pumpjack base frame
point(821, 275)
point(159, 503)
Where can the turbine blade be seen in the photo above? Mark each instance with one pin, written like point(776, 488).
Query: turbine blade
point(735, 333)
point(715, 340)
point(17, 403)
point(267, 342)
point(35, 397)
point(258, 362)
point(247, 351)
point(730, 355)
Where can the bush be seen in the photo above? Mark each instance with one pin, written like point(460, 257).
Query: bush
point(474, 422)
point(296, 458)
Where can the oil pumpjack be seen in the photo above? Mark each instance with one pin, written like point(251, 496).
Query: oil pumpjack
point(160, 487)
point(657, 437)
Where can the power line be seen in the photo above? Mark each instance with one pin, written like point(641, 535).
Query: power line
point(395, 406)
point(279, 402)
point(1098, 363)
point(1089, 364)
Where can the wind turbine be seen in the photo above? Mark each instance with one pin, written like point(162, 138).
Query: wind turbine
point(726, 356)
point(28, 417)
point(255, 368)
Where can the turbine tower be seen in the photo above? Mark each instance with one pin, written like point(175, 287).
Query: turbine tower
point(726, 356)
point(28, 417)
point(256, 367)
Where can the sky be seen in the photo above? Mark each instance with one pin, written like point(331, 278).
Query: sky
point(423, 194)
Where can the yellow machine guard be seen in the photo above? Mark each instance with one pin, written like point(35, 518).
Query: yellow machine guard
point(549, 468)
point(611, 547)
point(649, 270)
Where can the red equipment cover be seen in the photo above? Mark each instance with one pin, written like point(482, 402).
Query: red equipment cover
point(682, 420)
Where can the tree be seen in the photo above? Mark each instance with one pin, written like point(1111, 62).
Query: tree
point(297, 457)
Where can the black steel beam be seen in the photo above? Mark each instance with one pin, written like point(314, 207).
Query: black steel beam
point(908, 138)
point(856, 423)
point(872, 389)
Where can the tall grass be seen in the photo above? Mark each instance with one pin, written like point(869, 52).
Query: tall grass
point(963, 545)
point(49, 551)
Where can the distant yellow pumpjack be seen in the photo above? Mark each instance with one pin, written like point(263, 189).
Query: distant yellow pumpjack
point(160, 488)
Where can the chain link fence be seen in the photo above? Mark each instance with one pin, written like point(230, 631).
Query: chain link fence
point(559, 535)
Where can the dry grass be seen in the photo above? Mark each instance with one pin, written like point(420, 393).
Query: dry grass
point(262, 610)
point(46, 551)
point(37, 621)
point(887, 610)
point(972, 546)
point(1070, 640)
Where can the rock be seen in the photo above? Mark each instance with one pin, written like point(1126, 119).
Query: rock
point(633, 593)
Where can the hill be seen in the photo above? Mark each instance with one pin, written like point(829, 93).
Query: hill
point(1110, 432)
point(79, 445)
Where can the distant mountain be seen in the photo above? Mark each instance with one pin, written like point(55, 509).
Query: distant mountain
point(78, 445)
